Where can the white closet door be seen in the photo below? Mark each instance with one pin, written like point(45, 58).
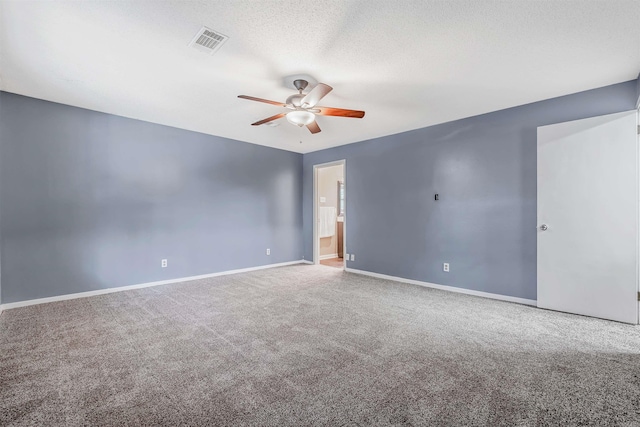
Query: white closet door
point(588, 217)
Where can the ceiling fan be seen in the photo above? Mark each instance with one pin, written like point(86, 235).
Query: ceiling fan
point(304, 109)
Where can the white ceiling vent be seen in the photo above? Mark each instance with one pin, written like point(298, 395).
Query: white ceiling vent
point(208, 41)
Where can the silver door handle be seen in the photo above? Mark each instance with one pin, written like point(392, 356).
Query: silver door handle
point(544, 227)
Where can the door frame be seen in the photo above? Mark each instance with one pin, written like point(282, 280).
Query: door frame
point(316, 240)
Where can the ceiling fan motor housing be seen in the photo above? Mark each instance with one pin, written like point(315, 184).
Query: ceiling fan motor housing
point(295, 100)
point(300, 84)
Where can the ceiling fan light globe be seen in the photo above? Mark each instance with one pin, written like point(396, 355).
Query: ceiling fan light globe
point(300, 117)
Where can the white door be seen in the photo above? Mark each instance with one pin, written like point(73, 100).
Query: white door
point(588, 217)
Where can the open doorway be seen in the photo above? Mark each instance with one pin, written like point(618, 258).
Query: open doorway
point(329, 211)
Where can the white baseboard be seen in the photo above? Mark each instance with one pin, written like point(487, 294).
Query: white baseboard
point(328, 256)
point(26, 303)
point(306, 261)
point(447, 288)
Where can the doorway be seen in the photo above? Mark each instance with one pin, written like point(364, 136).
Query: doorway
point(329, 214)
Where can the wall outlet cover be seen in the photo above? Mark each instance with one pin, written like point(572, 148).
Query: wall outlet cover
point(164, 263)
point(445, 267)
point(353, 257)
point(268, 251)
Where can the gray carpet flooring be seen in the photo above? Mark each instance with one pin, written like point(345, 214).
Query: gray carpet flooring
point(312, 345)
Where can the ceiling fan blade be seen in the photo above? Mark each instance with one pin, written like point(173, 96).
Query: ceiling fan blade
point(313, 127)
point(340, 112)
point(252, 98)
point(316, 94)
point(269, 119)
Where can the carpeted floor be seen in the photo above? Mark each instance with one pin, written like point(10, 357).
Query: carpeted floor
point(311, 345)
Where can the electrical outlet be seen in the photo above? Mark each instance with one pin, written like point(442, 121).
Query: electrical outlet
point(445, 267)
point(164, 263)
point(353, 257)
point(268, 251)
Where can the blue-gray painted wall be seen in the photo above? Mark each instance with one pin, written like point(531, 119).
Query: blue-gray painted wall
point(92, 201)
point(483, 168)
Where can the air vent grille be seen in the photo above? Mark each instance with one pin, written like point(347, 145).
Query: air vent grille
point(208, 41)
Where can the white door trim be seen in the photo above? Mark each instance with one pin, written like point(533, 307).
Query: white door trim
point(316, 241)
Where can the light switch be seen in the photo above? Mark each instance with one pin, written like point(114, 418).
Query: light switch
point(323, 199)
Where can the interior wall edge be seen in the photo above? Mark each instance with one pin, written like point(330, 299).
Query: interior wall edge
point(87, 294)
point(446, 288)
point(91, 201)
point(484, 169)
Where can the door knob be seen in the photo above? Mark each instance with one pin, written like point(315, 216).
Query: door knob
point(544, 227)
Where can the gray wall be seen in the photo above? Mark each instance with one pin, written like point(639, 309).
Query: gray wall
point(1, 137)
point(92, 201)
point(638, 91)
point(484, 169)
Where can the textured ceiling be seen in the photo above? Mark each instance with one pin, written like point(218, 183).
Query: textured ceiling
point(408, 64)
